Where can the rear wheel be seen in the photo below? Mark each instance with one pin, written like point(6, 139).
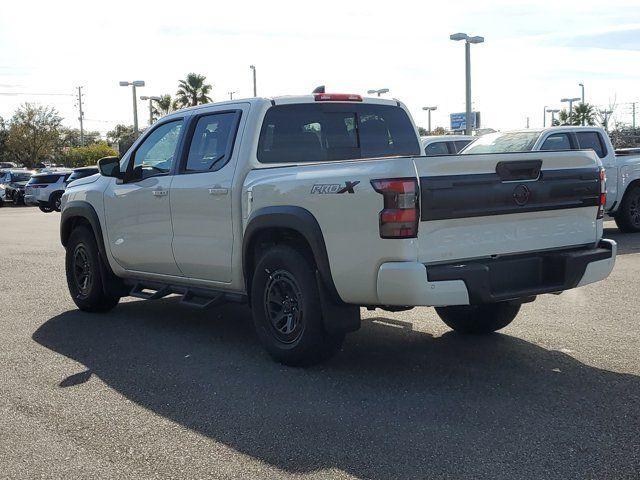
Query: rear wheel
point(56, 201)
point(83, 265)
point(45, 208)
point(286, 309)
point(18, 198)
point(478, 319)
point(628, 215)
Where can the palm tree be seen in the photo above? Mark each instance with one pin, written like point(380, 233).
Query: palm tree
point(586, 112)
point(193, 91)
point(163, 106)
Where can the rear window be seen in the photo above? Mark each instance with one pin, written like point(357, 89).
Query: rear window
point(557, 141)
point(42, 179)
point(323, 131)
point(20, 177)
point(436, 148)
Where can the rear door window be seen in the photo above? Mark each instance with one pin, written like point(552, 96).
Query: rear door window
point(557, 141)
point(593, 141)
point(335, 131)
point(44, 179)
point(436, 148)
point(212, 142)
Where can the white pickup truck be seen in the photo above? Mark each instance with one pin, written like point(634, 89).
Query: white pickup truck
point(623, 170)
point(310, 207)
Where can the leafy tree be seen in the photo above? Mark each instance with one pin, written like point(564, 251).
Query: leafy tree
point(436, 131)
point(33, 134)
point(164, 106)
point(4, 133)
point(625, 137)
point(122, 137)
point(193, 91)
point(87, 155)
point(70, 137)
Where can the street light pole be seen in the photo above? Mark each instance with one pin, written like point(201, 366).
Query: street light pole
point(553, 115)
point(429, 110)
point(570, 101)
point(544, 117)
point(231, 95)
point(151, 99)
point(467, 62)
point(378, 92)
point(255, 89)
point(134, 84)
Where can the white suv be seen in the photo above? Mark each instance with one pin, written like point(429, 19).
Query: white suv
point(46, 189)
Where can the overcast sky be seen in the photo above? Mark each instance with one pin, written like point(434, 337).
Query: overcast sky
point(534, 54)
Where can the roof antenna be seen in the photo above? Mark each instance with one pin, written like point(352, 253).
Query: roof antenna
point(319, 89)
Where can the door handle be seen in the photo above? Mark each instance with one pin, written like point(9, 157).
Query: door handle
point(159, 192)
point(217, 190)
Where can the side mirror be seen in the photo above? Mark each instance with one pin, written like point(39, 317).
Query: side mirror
point(110, 167)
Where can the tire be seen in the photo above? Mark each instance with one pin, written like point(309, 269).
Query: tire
point(478, 319)
point(18, 199)
point(628, 215)
point(286, 309)
point(83, 266)
point(55, 201)
point(45, 208)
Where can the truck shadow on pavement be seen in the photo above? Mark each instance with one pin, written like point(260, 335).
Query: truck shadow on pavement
point(396, 403)
point(627, 242)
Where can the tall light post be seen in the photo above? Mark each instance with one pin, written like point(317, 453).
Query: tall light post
point(151, 99)
point(553, 115)
point(570, 102)
point(231, 95)
point(255, 88)
point(378, 92)
point(134, 84)
point(544, 117)
point(467, 61)
point(582, 87)
point(429, 110)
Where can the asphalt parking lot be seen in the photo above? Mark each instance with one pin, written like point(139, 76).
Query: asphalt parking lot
point(154, 390)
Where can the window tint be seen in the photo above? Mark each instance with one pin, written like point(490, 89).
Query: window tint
point(436, 148)
point(157, 152)
point(20, 177)
point(44, 179)
point(81, 174)
point(212, 142)
point(593, 141)
point(324, 131)
point(460, 144)
point(557, 141)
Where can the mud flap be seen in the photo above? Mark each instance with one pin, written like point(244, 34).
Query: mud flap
point(338, 317)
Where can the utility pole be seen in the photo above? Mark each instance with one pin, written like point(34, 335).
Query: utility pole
point(633, 106)
point(231, 95)
point(81, 116)
point(544, 117)
point(582, 87)
point(527, 122)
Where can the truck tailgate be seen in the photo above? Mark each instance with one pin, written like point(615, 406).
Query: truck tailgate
point(495, 204)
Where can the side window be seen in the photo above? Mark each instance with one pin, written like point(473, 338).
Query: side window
point(557, 141)
point(460, 144)
point(212, 142)
point(156, 154)
point(593, 141)
point(436, 148)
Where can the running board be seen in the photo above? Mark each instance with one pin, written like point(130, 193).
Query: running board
point(200, 298)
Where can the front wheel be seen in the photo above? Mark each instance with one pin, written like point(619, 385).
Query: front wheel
point(56, 201)
point(45, 208)
point(286, 308)
point(83, 265)
point(479, 319)
point(628, 215)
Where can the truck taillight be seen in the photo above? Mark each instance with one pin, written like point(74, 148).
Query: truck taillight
point(603, 194)
point(401, 213)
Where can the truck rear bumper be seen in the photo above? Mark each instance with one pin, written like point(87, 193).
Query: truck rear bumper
point(495, 279)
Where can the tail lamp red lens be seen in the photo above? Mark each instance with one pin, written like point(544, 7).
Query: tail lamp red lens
point(603, 194)
point(401, 213)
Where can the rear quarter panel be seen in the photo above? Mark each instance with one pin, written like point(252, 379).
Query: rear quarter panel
point(349, 221)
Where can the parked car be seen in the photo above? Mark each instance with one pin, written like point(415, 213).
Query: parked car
point(7, 165)
point(445, 144)
point(14, 181)
point(623, 171)
point(310, 207)
point(45, 190)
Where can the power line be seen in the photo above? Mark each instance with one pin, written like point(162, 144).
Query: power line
point(45, 94)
